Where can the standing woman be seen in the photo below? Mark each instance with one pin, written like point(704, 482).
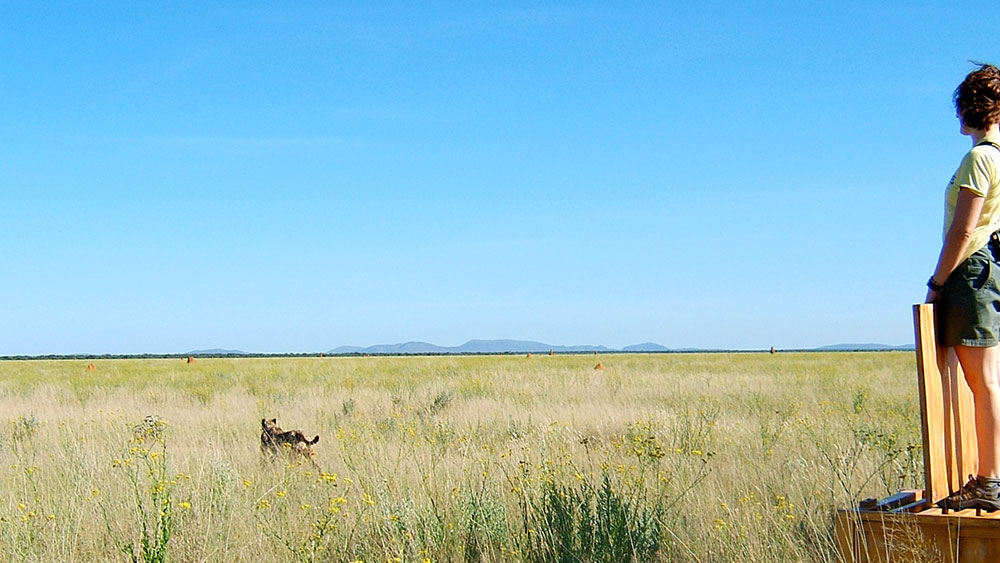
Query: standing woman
point(965, 285)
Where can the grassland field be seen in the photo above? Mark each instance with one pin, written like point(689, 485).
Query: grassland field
point(656, 457)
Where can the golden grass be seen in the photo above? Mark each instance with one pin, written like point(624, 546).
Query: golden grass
point(742, 457)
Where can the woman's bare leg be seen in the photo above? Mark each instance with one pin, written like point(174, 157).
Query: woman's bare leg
point(983, 376)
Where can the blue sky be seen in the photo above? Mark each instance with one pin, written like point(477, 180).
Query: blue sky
point(296, 176)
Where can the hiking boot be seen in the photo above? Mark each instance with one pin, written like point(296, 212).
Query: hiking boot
point(966, 488)
point(980, 492)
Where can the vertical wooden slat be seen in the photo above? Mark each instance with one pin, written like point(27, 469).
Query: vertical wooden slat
point(946, 412)
point(932, 418)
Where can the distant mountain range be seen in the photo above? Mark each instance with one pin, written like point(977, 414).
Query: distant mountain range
point(216, 352)
point(528, 346)
point(645, 347)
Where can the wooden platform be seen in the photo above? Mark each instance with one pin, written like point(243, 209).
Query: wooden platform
point(927, 535)
point(908, 526)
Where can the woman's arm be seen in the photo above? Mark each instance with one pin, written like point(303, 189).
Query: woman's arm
point(956, 240)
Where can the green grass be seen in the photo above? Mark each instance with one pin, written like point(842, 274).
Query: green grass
point(700, 457)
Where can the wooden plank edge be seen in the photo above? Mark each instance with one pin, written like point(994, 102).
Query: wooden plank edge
point(933, 515)
point(927, 370)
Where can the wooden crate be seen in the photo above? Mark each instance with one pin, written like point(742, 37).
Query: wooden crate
point(926, 535)
point(908, 526)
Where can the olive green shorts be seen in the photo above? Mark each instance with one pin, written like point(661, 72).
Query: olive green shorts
point(968, 312)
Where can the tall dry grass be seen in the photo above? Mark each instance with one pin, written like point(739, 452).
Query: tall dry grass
point(701, 457)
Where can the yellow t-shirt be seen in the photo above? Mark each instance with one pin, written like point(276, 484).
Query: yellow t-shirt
point(978, 173)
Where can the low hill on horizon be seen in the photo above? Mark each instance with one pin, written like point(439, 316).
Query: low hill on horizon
point(216, 352)
point(646, 347)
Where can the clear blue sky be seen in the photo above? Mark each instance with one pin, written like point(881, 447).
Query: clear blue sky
point(296, 176)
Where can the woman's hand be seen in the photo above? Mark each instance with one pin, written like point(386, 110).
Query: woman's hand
point(932, 296)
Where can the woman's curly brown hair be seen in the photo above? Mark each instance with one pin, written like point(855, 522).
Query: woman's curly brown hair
point(977, 98)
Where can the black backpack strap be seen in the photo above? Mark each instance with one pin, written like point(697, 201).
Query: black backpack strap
point(995, 237)
point(990, 143)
